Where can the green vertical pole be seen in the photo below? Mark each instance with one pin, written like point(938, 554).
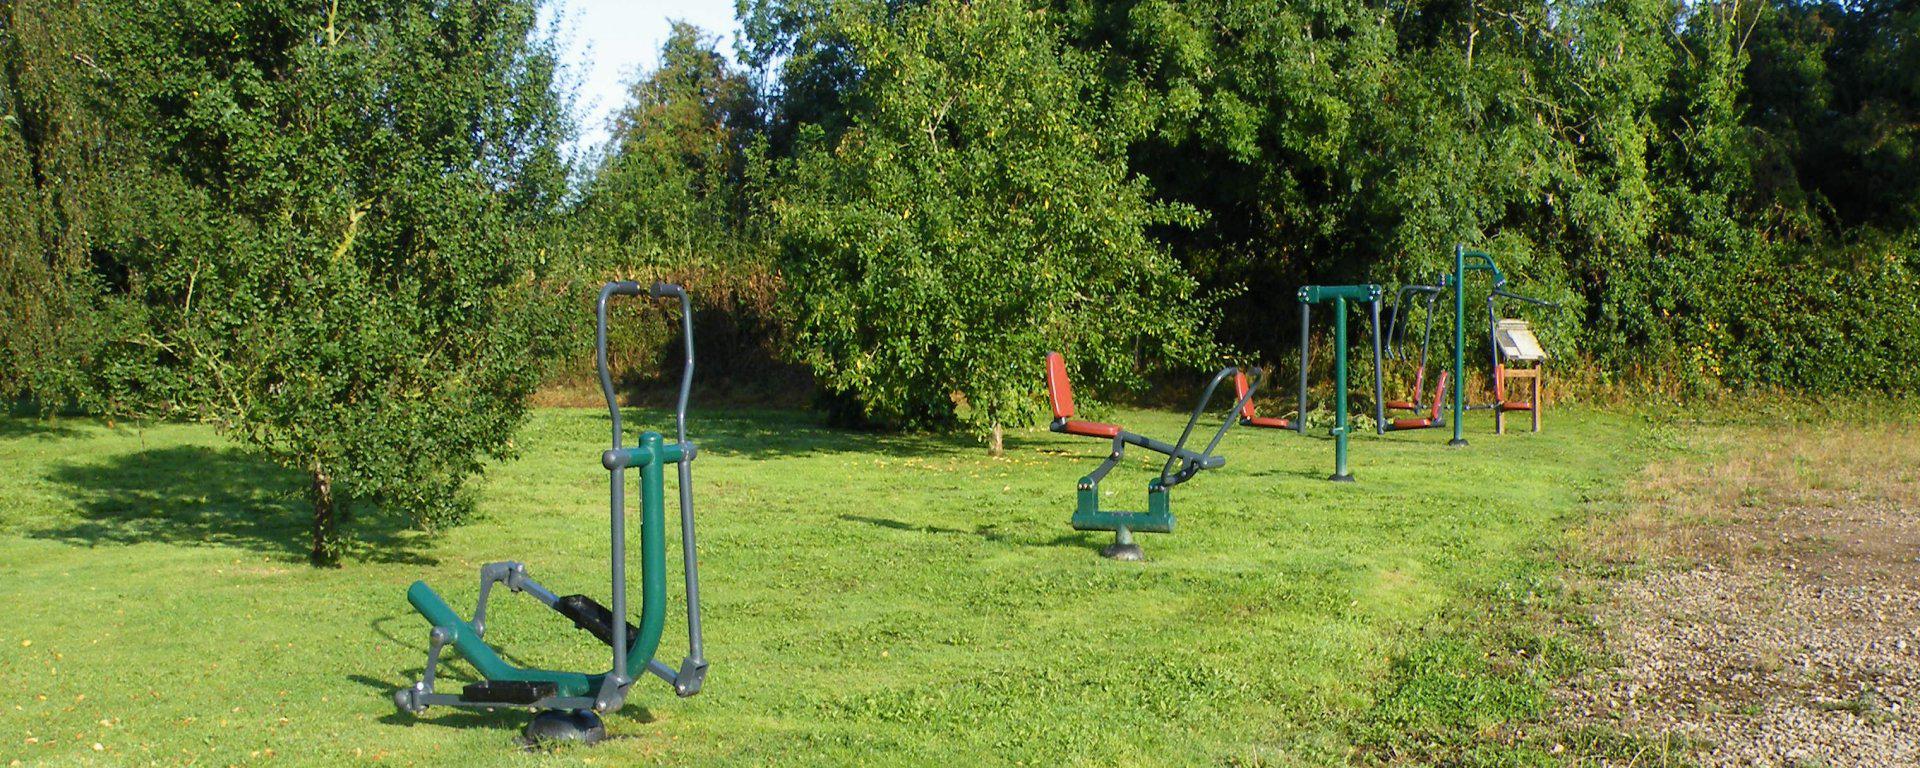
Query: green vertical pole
point(653, 553)
point(1340, 471)
point(1459, 343)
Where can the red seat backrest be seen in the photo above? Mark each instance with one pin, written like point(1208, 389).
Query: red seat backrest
point(1059, 389)
point(1440, 393)
point(1240, 393)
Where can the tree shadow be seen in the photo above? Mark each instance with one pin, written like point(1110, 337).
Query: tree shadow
point(767, 434)
point(985, 533)
point(21, 420)
point(898, 525)
point(202, 496)
point(14, 427)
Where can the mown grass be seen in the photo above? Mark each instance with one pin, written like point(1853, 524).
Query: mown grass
point(878, 600)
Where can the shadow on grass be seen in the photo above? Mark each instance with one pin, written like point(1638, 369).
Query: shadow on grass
point(200, 496)
point(419, 643)
point(759, 434)
point(19, 421)
point(503, 717)
point(1076, 540)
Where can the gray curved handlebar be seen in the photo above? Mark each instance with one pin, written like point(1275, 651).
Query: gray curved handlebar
point(1505, 294)
point(1191, 463)
point(687, 680)
point(665, 290)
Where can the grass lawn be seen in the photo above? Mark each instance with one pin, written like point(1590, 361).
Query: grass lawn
point(878, 600)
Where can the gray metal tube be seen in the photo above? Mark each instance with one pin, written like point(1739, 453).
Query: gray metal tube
point(1493, 347)
point(1166, 470)
point(1300, 416)
point(616, 479)
point(661, 291)
point(1426, 339)
point(1379, 382)
point(688, 551)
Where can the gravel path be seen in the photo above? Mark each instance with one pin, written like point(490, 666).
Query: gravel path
point(1796, 643)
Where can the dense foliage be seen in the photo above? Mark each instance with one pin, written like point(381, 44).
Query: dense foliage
point(312, 223)
point(1716, 193)
point(972, 212)
point(343, 229)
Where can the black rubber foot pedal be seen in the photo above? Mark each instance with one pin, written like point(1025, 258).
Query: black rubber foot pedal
point(507, 691)
point(592, 617)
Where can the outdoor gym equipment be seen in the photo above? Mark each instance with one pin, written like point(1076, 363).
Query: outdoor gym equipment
point(1396, 337)
point(1513, 341)
point(1338, 295)
point(1396, 349)
point(571, 703)
point(1524, 346)
point(1181, 465)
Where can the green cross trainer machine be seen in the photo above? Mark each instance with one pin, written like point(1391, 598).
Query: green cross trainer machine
point(570, 703)
point(1181, 465)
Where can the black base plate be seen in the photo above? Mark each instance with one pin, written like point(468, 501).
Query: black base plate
point(576, 725)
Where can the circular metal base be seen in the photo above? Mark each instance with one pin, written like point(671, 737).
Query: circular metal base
point(1129, 552)
point(1346, 478)
point(575, 725)
point(1460, 443)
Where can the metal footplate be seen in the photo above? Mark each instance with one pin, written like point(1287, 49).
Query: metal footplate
point(590, 615)
point(516, 692)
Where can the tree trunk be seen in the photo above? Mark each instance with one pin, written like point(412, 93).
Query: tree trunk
point(996, 441)
point(326, 550)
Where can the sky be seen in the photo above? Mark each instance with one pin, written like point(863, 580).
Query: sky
point(607, 42)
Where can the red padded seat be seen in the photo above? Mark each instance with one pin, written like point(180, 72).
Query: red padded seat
point(1433, 415)
point(1419, 382)
point(1247, 415)
point(1090, 429)
point(1060, 393)
point(1500, 393)
point(1059, 389)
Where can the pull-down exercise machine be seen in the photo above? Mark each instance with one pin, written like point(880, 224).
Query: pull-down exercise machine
point(571, 702)
point(1338, 295)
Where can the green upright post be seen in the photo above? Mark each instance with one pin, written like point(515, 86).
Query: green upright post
point(1459, 344)
point(1340, 472)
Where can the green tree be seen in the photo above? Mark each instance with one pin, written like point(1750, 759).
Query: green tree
point(975, 211)
point(67, 184)
point(671, 188)
point(336, 257)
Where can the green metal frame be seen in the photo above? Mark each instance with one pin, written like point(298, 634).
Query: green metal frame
point(1465, 261)
point(1088, 516)
point(1339, 295)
